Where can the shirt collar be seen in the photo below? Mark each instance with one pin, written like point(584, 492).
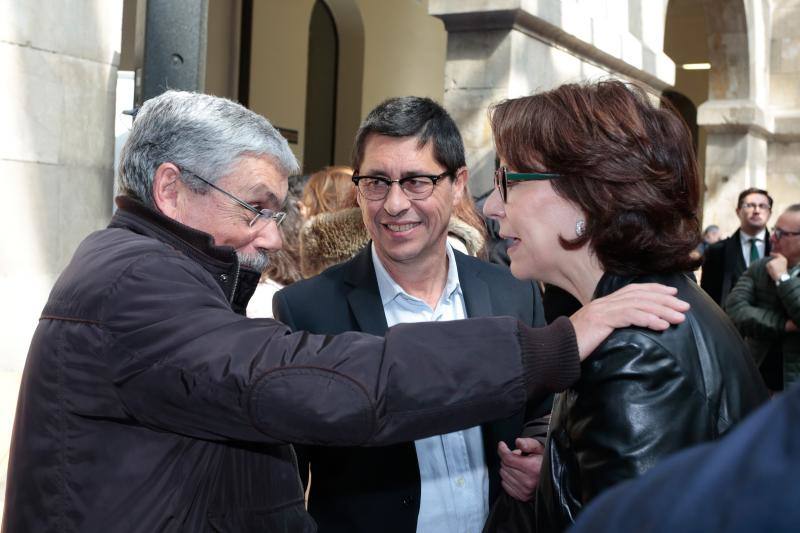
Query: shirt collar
point(760, 236)
point(390, 289)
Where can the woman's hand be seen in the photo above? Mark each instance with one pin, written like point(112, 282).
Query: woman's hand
point(647, 305)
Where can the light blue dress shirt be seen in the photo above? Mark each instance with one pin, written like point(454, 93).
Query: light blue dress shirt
point(454, 495)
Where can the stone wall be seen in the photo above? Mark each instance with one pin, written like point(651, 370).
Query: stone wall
point(59, 63)
point(783, 164)
point(509, 48)
point(750, 113)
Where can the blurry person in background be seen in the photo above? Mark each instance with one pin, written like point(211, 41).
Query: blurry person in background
point(328, 190)
point(466, 231)
point(597, 189)
point(725, 260)
point(284, 265)
point(332, 231)
point(710, 235)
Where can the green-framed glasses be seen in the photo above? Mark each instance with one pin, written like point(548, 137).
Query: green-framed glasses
point(502, 177)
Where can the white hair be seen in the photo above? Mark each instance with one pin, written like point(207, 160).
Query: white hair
point(201, 134)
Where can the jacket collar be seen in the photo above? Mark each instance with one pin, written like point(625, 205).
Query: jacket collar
point(611, 282)
point(221, 262)
point(365, 299)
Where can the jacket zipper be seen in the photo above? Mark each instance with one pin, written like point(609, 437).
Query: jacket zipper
point(235, 280)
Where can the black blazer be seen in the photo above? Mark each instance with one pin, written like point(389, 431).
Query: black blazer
point(723, 263)
point(378, 489)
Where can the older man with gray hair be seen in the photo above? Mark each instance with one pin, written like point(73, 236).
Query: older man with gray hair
point(150, 402)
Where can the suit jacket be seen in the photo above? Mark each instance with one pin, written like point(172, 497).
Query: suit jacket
point(744, 483)
point(378, 489)
point(723, 263)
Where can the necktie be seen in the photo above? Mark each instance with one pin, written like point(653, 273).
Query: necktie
point(753, 250)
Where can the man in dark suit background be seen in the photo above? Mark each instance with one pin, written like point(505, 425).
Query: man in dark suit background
point(408, 274)
point(727, 259)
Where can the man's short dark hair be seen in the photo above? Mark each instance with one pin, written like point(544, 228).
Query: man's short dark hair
point(413, 116)
point(794, 208)
point(752, 190)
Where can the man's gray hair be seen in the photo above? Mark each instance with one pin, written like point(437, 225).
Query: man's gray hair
point(203, 135)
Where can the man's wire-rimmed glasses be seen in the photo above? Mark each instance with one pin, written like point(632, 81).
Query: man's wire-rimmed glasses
point(261, 214)
point(416, 187)
point(502, 176)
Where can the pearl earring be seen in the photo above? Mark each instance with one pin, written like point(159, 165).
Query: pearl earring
point(580, 227)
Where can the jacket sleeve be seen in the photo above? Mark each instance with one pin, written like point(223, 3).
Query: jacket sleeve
point(789, 293)
point(751, 320)
point(641, 408)
point(183, 362)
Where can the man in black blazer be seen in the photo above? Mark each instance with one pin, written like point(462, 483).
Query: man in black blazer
point(727, 259)
point(407, 273)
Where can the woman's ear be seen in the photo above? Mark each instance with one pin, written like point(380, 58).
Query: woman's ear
point(167, 188)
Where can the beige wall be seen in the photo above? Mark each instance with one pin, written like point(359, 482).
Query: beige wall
point(59, 64)
point(279, 57)
point(222, 48)
point(404, 54)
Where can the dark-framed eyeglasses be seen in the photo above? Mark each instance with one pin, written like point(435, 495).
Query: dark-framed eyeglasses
point(416, 187)
point(502, 176)
point(781, 233)
point(261, 215)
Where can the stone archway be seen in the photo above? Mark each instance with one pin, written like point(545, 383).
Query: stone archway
point(734, 118)
point(726, 23)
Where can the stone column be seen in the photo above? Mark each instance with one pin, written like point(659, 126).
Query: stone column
point(499, 49)
point(59, 63)
point(736, 156)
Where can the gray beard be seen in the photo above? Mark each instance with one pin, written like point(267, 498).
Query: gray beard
point(258, 261)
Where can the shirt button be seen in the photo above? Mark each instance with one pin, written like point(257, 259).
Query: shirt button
point(223, 278)
point(460, 481)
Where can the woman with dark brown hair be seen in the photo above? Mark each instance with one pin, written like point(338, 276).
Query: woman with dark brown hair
point(598, 188)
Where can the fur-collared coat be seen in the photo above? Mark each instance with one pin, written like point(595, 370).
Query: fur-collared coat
point(331, 238)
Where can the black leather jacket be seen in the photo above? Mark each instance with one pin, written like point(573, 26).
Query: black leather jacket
point(644, 395)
